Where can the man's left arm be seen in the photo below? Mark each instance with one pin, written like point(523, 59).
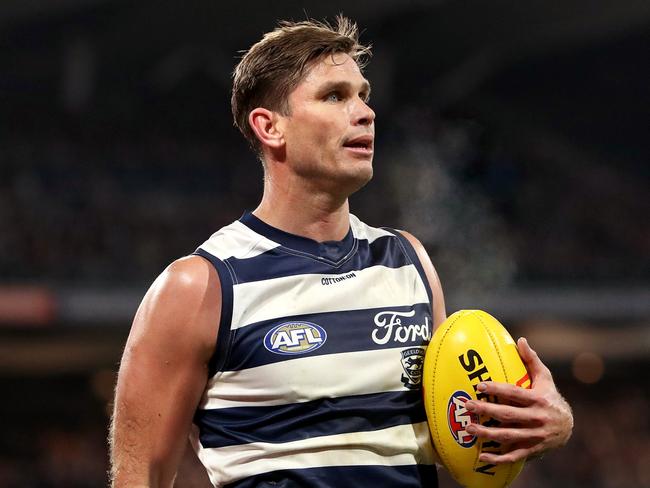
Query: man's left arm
point(438, 298)
point(531, 421)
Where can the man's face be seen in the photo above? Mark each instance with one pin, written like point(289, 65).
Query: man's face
point(330, 132)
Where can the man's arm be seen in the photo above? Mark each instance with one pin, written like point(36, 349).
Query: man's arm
point(532, 421)
point(163, 373)
point(438, 305)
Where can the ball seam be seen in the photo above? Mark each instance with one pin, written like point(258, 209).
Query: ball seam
point(505, 373)
point(443, 454)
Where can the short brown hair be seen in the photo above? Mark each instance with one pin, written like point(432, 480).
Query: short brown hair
point(273, 67)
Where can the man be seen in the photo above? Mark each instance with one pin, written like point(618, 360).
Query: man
point(290, 345)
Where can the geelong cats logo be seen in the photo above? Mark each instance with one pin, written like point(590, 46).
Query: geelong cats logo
point(412, 362)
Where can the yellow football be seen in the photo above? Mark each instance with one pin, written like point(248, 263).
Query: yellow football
point(471, 346)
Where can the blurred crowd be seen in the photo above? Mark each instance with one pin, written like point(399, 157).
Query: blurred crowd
point(96, 204)
point(110, 169)
point(64, 446)
point(609, 447)
point(82, 211)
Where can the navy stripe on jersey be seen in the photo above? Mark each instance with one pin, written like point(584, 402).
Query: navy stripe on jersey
point(293, 422)
point(332, 251)
point(248, 349)
point(220, 355)
point(384, 251)
point(414, 476)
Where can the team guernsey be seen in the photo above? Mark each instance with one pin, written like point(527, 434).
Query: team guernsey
point(316, 377)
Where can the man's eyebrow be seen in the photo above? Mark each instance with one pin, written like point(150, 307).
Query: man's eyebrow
point(342, 86)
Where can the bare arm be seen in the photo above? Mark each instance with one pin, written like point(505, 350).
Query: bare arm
point(439, 312)
point(163, 373)
point(532, 421)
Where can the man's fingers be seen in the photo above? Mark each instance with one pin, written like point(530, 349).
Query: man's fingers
point(507, 435)
point(503, 413)
point(537, 369)
point(507, 393)
point(508, 457)
point(526, 421)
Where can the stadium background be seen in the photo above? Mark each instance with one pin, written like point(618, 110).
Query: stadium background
point(512, 139)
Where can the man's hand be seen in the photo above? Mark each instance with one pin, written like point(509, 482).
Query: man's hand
point(532, 421)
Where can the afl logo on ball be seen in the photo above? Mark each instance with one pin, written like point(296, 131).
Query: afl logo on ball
point(459, 418)
point(295, 338)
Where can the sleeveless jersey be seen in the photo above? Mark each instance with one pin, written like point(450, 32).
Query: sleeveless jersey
point(316, 376)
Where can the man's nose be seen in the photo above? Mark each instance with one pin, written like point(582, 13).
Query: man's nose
point(363, 114)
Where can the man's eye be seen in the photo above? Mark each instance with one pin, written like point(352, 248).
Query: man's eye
point(333, 97)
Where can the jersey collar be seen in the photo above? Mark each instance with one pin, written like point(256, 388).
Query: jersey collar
point(328, 250)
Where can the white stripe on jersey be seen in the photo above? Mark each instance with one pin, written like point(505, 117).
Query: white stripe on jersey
point(305, 294)
point(304, 379)
point(242, 242)
point(395, 446)
point(238, 241)
point(363, 231)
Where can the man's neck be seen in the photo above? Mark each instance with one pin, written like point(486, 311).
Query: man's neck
point(304, 212)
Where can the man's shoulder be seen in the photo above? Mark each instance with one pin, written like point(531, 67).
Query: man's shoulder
point(187, 277)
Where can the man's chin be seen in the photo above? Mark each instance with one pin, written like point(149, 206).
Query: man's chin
point(367, 174)
point(347, 178)
point(359, 178)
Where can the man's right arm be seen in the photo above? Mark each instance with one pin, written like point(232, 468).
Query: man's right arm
point(163, 373)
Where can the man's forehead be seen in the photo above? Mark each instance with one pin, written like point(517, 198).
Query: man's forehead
point(338, 67)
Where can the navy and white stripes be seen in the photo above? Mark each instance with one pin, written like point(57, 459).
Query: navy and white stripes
point(315, 380)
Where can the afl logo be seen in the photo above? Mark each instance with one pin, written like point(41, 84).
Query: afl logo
point(295, 338)
point(459, 418)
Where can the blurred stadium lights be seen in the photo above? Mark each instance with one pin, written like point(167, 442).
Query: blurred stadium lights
point(92, 307)
point(84, 328)
point(588, 367)
point(562, 340)
point(570, 326)
point(36, 306)
point(29, 306)
point(57, 351)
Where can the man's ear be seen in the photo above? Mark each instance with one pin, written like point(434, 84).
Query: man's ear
point(264, 124)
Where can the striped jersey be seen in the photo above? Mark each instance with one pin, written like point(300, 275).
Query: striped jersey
point(316, 376)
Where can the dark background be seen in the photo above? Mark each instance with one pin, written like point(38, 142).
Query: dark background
point(512, 140)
